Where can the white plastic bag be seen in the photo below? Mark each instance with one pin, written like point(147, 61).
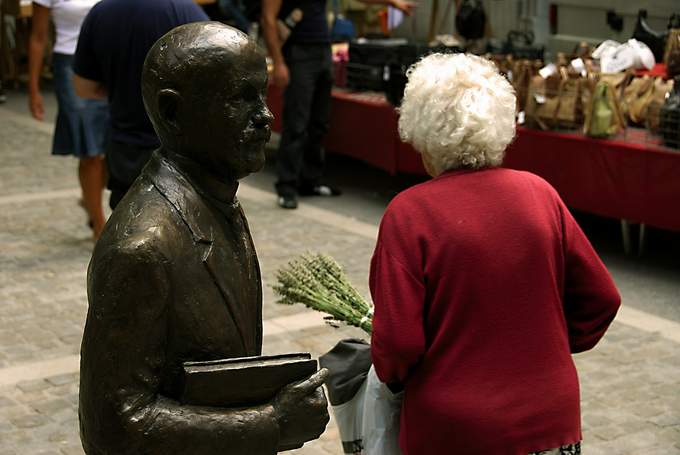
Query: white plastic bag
point(382, 410)
point(631, 54)
point(350, 416)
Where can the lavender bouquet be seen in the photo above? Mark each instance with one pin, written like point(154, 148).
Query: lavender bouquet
point(318, 282)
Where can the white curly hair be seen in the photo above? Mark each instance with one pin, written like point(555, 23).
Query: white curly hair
point(458, 111)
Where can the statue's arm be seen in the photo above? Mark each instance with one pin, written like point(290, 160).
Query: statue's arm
point(123, 354)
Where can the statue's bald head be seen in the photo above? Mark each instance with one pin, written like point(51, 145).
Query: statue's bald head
point(194, 60)
point(191, 74)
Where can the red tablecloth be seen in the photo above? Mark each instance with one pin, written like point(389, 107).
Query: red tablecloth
point(659, 70)
point(626, 178)
point(607, 177)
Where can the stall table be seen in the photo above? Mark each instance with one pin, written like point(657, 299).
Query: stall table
point(627, 178)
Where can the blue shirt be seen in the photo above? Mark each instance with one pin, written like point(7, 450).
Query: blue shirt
point(114, 40)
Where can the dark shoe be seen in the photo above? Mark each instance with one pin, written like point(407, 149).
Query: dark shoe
point(287, 201)
point(319, 190)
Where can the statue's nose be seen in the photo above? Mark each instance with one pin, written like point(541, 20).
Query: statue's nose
point(263, 118)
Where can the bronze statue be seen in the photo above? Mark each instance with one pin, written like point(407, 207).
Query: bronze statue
point(175, 278)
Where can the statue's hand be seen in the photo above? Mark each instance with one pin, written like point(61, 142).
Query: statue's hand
point(301, 411)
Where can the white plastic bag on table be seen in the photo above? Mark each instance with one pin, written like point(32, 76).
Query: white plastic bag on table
point(382, 411)
point(631, 54)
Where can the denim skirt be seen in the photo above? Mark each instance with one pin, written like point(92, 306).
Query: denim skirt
point(82, 127)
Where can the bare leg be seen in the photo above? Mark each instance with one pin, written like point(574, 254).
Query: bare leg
point(92, 175)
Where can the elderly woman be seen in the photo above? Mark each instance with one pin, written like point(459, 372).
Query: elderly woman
point(483, 283)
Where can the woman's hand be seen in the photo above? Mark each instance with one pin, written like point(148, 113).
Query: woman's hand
point(40, 24)
point(35, 104)
point(280, 75)
point(403, 5)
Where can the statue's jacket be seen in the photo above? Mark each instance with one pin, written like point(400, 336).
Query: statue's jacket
point(172, 279)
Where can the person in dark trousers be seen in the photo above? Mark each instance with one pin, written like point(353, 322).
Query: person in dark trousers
point(114, 40)
point(303, 67)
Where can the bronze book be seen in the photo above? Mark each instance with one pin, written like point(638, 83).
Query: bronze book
point(243, 381)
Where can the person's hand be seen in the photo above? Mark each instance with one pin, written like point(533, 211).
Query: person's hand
point(35, 104)
point(280, 75)
point(405, 6)
point(301, 411)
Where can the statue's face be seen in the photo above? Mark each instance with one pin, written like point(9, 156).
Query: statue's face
point(231, 130)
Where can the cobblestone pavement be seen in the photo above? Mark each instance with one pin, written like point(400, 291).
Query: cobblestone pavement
point(630, 382)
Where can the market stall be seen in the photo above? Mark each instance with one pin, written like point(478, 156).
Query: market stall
point(627, 178)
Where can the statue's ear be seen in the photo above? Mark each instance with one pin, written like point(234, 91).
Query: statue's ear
point(168, 107)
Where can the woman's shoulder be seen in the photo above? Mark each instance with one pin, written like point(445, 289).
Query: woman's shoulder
point(526, 179)
point(448, 184)
point(411, 196)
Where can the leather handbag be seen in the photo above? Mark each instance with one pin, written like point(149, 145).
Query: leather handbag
point(570, 110)
point(541, 101)
point(556, 101)
point(636, 99)
point(669, 118)
point(603, 116)
point(661, 90)
point(503, 62)
point(672, 54)
point(520, 77)
point(619, 81)
point(521, 45)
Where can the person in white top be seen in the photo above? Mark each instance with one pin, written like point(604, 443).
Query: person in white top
point(82, 126)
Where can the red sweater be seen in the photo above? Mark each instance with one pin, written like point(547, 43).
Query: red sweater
point(483, 286)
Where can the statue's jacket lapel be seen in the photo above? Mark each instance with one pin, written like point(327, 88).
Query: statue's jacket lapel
point(225, 247)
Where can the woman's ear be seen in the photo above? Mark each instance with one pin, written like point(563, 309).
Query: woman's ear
point(169, 104)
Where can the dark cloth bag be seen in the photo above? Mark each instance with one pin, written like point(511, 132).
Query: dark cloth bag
point(471, 19)
point(521, 45)
point(644, 33)
point(348, 364)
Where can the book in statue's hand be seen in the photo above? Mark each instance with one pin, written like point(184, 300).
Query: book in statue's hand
point(243, 381)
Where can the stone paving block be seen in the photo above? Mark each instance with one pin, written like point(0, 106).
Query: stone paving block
point(595, 419)
point(72, 450)
point(29, 421)
point(64, 389)
point(667, 437)
point(31, 397)
point(51, 407)
point(64, 379)
point(668, 419)
point(58, 437)
point(638, 443)
point(671, 450)
point(609, 432)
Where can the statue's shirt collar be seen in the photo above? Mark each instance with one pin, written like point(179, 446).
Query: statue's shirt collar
point(205, 181)
point(219, 193)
